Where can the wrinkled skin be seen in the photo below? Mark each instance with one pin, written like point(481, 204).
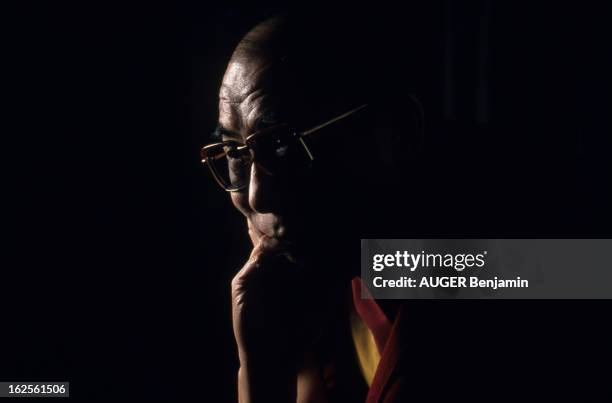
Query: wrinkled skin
point(241, 102)
point(271, 322)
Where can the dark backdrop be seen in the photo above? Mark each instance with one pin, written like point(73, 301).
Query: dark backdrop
point(119, 248)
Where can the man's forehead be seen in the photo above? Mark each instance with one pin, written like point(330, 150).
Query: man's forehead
point(243, 117)
point(245, 94)
point(242, 78)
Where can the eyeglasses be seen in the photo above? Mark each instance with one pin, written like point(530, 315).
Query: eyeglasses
point(278, 150)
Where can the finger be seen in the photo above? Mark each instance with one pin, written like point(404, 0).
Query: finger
point(265, 249)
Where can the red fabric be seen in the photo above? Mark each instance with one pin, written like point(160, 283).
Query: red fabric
point(384, 379)
point(371, 314)
point(384, 387)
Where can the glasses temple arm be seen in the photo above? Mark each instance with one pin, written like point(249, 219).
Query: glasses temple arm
point(329, 122)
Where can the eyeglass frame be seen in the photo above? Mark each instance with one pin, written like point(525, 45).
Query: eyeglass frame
point(205, 157)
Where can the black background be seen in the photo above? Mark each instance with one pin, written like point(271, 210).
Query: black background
point(119, 248)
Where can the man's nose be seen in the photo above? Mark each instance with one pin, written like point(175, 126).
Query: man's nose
point(262, 190)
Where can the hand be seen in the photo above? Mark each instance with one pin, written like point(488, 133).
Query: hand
point(264, 320)
point(279, 308)
point(266, 299)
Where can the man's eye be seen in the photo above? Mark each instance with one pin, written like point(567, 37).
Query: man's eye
point(281, 147)
point(235, 154)
point(232, 155)
point(281, 151)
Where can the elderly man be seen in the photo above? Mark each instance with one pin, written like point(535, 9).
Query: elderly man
point(296, 149)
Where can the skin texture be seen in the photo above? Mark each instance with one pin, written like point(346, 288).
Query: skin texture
point(303, 228)
point(244, 97)
point(269, 339)
point(241, 102)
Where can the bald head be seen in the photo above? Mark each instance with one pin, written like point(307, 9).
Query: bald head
point(285, 69)
point(302, 73)
point(263, 40)
point(250, 84)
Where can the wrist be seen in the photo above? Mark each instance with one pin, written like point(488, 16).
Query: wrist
point(271, 380)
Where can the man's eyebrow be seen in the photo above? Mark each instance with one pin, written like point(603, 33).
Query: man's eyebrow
point(263, 121)
point(221, 131)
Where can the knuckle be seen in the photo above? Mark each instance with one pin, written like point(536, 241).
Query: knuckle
point(245, 274)
point(236, 282)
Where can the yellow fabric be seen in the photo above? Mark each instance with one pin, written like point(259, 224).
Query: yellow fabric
point(367, 352)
